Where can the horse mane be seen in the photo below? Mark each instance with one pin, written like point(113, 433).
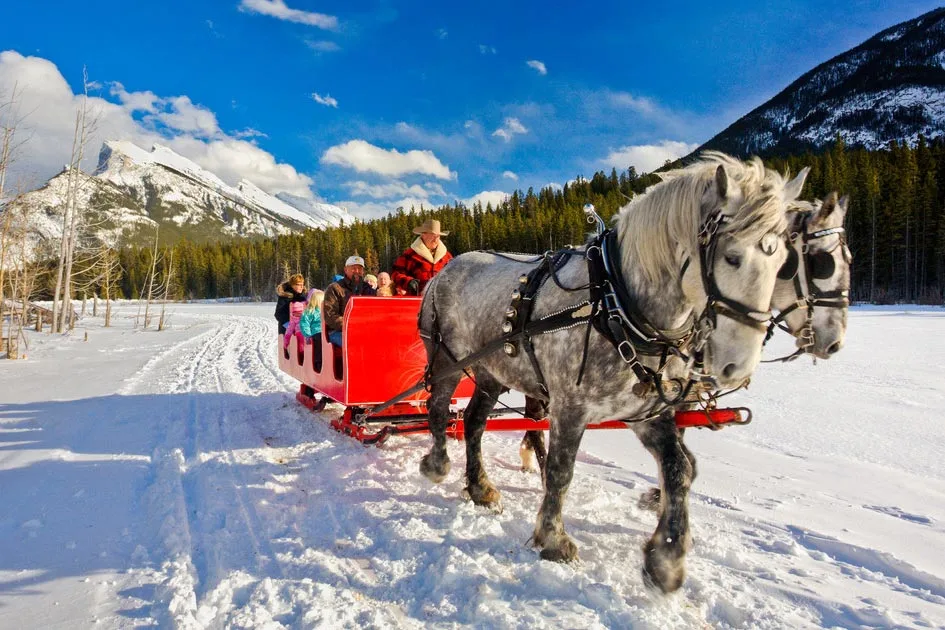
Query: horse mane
point(668, 213)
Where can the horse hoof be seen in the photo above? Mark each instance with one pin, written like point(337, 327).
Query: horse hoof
point(650, 500)
point(566, 551)
point(433, 472)
point(487, 496)
point(663, 568)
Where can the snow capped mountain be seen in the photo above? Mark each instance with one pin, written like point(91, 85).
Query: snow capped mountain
point(891, 87)
point(132, 191)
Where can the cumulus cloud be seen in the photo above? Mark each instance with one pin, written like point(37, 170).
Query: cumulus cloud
point(49, 105)
point(390, 190)
point(495, 197)
point(183, 115)
point(510, 175)
point(134, 101)
point(442, 33)
point(538, 66)
point(647, 157)
point(509, 128)
point(487, 50)
point(364, 157)
point(278, 9)
point(326, 100)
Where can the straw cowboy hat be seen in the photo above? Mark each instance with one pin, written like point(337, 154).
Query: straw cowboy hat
point(432, 226)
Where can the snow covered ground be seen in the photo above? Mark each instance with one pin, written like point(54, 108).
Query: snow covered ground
point(170, 479)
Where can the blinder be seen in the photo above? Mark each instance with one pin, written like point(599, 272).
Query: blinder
point(821, 265)
point(789, 269)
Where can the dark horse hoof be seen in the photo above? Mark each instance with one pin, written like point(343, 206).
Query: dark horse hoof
point(663, 567)
point(565, 552)
point(434, 472)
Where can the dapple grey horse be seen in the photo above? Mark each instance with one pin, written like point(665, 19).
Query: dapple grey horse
point(658, 235)
point(811, 293)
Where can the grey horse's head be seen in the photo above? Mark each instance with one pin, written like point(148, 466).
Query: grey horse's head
point(747, 204)
point(820, 265)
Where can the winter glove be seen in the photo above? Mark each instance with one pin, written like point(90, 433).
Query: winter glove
point(413, 287)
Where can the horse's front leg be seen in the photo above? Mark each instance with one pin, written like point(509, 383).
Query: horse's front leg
point(664, 555)
point(650, 500)
point(479, 488)
point(435, 465)
point(565, 438)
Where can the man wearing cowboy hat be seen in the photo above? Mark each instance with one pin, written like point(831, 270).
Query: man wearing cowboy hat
point(337, 295)
point(422, 260)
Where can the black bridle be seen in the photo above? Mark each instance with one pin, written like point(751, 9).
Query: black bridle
point(814, 266)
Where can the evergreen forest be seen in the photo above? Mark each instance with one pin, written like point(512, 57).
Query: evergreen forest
point(895, 225)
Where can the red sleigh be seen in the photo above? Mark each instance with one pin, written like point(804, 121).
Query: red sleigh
point(383, 357)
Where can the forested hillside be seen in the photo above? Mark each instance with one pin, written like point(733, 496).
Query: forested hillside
point(896, 227)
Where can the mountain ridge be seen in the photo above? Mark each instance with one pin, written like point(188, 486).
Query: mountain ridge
point(890, 87)
point(132, 192)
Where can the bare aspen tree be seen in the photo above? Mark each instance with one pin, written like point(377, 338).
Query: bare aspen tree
point(62, 296)
point(152, 279)
point(168, 285)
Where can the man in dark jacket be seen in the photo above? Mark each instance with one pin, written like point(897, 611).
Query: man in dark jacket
point(292, 290)
point(425, 257)
point(337, 295)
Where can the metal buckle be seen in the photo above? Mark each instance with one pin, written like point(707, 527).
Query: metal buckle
point(632, 358)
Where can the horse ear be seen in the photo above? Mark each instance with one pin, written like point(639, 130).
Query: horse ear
point(792, 190)
point(721, 182)
point(827, 207)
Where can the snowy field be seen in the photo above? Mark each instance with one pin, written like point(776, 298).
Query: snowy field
point(170, 480)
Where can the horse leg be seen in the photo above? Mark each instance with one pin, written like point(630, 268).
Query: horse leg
point(532, 448)
point(532, 451)
point(665, 552)
point(650, 500)
point(479, 488)
point(549, 533)
point(435, 465)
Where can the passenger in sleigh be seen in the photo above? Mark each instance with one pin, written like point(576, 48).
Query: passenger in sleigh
point(290, 291)
point(311, 321)
point(425, 257)
point(337, 295)
point(385, 286)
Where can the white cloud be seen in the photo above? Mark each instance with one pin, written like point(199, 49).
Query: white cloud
point(495, 197)
point(322, 46)
point(134, 101)
point(183, 115)
point(647, 157)
point(538, 66)
point(442, 33)
point(325, 100)
point(279, 10)
point(49, 105)
point(390, 190)
point(374, 209)
point(509, 128)
point(367, 158)
point(639, 104)
point(487, 50)
point(510, 175)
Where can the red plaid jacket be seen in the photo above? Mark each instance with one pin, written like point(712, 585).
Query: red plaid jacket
point(412, 266)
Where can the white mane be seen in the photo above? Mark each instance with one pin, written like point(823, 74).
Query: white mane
point(668, 213)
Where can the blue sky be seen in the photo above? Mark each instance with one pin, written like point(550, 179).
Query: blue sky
point(372, 104)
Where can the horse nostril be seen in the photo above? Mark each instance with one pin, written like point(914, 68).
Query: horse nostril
point(728, 370)
point(834, 347)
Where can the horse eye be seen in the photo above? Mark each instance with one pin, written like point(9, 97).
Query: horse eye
point(733, 260)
